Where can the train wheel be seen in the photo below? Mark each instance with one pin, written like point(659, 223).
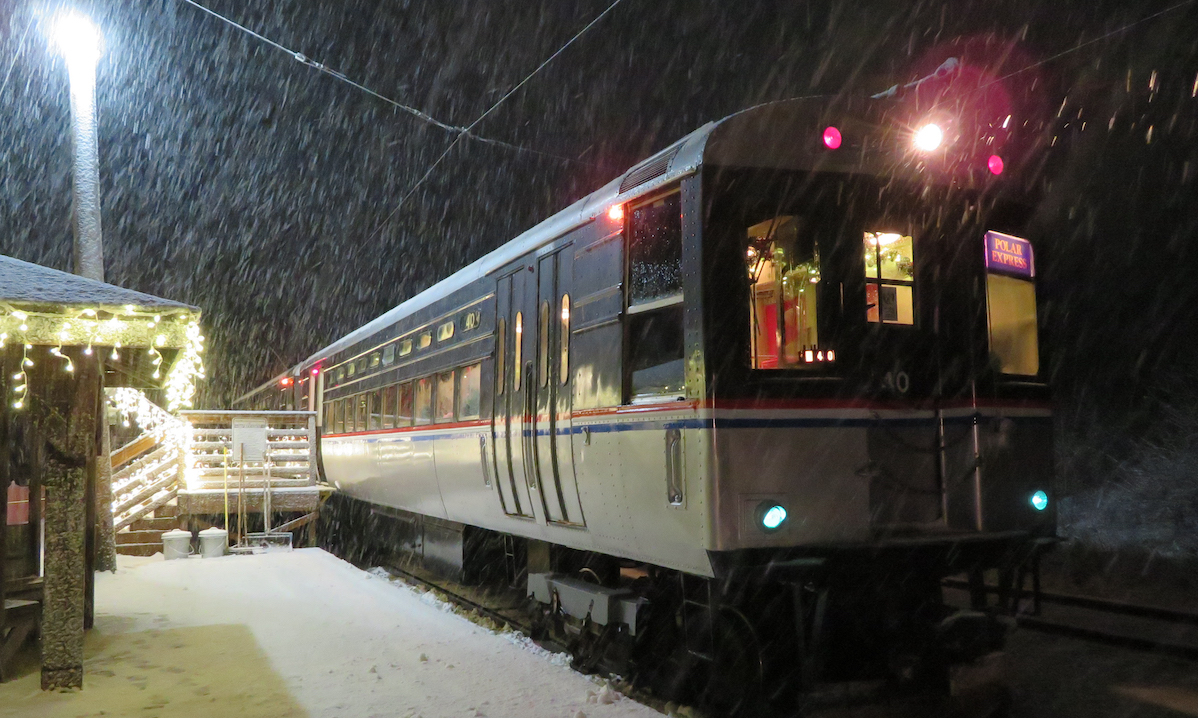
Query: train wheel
point(737, 671)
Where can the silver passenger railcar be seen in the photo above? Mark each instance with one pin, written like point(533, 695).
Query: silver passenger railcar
point(742, 408)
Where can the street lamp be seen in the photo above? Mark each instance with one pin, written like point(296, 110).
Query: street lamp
point(81, 45)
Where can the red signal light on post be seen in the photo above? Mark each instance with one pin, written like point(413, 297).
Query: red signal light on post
point(616, 213)
point(832, 138)
point(315, 371)
point(285, 381)
point(995, 165)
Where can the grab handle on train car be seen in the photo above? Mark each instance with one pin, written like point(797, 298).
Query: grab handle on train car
point(674, 466)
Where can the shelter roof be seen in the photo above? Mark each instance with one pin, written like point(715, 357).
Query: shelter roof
point(31, 286)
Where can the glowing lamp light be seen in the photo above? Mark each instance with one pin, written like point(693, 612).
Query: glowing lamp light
point(995, 165)
point(315, 371)
point(808, 356)
point(78, 39)
point(616, 213)
point(285, 381)
point(928, 137)
point(832, 138)
point(773, 516)
point(1039, 501)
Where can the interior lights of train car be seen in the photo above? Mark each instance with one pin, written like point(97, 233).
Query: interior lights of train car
point(1039, 501)
point(995, 165)
point(616, 213)
point(928, 137)
point(832, 138)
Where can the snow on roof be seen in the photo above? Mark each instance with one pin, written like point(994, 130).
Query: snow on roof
point(24, 284)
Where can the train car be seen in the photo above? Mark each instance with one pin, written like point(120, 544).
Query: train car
point(739, 410)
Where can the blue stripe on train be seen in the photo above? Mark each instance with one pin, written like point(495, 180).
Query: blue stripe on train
point(743, 423)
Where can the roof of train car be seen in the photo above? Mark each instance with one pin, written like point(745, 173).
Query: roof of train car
point(682, 157)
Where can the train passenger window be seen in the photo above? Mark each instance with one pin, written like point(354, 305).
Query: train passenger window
point(349, 369)
point(405, 347)
point(655, 354)
point(445, 331)
point(388, 410)
point(564, 370)
point(500, 356)
point(469, 391)
point(426, 340)
point(362, 411)
point(543, 345)
point(405, 405)
point(349, 413)
point(784, 271)
point(328, 417)
point(444, 396)
point(655, 250)
point(374, 360)
point(889, 278)
point(339, 416)
point(389, 355)
point(517, 366)
point(424, 400)
point(341, 375)
point(361, 365)
point(376, 410)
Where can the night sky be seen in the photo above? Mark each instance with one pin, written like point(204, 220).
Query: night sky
point(242, 181)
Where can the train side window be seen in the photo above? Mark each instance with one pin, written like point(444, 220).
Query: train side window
point(374, 360)
point(564, 369)
point(426, 340)
point(376, 410)
point(349, 412)
point(655, 249)
point(517, 366)
point(328, 417)
point(361, 365)
point(360, 416)
point(655, 364)
point(405, 347)
point(405, 405)
point(445, 331)
point(389, 355)
point(350, 369)
point(338, 425)
point(445, 396)
point(543, 345)
point(500, 356)
point(469, 391)
point(388, 409)
point(889, 278)
point(424, 400)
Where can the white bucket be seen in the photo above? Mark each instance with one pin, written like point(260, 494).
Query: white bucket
point(176, 543)
point(214, 542)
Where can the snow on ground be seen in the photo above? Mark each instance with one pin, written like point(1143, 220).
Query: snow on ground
point(298, 634)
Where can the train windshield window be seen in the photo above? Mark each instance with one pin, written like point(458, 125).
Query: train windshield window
point(469, 390)
point(889, 278)
point(405, 405)
point(388, 409)
point(445, 396)
point(424, 400)
point(783, 260)
point(1011, 308)
point(655, 250)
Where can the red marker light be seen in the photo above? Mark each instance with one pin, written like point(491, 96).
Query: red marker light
point(616, 213)
point(832, 138)
point(995, 164)
point(315, 371)
point(285, 381)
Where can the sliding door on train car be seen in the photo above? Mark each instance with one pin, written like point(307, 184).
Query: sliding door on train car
point(551, 425)
point(510, 396)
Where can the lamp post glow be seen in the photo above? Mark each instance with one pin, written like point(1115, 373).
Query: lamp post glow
point(81, 45)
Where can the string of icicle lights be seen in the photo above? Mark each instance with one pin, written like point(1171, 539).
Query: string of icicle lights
point(113, 330)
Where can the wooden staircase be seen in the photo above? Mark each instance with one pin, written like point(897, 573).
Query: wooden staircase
point(143, 537)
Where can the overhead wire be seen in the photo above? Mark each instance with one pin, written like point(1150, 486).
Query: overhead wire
point(424, 116)
point(412, 190)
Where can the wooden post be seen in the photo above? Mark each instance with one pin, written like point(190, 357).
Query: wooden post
point(67, 415)
point(5, 438)
point(105, 536)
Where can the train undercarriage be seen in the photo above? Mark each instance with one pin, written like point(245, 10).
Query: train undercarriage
point(774, 633)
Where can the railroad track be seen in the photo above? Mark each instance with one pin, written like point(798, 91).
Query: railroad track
point(1090, 612)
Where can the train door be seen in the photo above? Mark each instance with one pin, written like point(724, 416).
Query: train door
point(508, 417)
point(554, 462)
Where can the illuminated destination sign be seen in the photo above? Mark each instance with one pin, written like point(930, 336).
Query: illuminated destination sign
point(1012, 255)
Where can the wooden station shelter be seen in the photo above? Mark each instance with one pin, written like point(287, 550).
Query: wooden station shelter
point(63, 339)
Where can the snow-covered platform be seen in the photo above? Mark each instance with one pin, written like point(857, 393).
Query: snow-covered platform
point(298, 634)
